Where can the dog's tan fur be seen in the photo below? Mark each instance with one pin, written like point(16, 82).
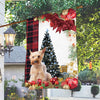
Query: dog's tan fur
point(38, 69)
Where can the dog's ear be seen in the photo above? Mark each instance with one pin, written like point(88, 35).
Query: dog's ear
point(30, 51)
point(43, 50)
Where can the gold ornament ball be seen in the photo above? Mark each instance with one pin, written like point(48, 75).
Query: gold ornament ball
point(65, 12)
point(74, 35)
point(66, 87)
point(31, 87)
point(35, 19)
point(26, 84)
point(71, 63)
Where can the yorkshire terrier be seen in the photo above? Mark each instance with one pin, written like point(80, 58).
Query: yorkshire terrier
point(38, 69)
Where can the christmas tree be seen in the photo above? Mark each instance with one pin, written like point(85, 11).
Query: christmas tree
point(49, 56)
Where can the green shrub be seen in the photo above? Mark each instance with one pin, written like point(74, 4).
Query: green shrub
point(87, 76)
point(95, 90)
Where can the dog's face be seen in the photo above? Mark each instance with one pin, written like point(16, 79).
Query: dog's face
point(36, 57)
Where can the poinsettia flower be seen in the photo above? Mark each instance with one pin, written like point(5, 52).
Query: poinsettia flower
point(60, 24)
point(63, 16)
point(71, 13)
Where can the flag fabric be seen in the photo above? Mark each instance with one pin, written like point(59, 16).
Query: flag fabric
point(32, 43)
point(35, 32)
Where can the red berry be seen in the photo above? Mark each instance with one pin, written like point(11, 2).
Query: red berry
point(43, 21)
point(73, 44)
point(33, 82)
point(42, 17)
point(56, 82)
point(56, 87)
point(41, 87)
point(69, 34)
point(30, 83)
point(39, 81)
point(52, 80)
point(39, 84)
point(46, 83)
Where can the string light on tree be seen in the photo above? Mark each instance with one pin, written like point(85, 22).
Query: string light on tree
point(50, 56)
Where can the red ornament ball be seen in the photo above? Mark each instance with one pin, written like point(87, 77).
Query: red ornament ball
point(39, 81)
point(67, 80)
point(56, 78)
point(63, 83)
point(33, 82)
point(46, 83)
point(56, 82)
point(52, 80)
point(73, 83)
point(30, 83)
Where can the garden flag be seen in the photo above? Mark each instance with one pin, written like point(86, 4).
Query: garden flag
point(51, 60)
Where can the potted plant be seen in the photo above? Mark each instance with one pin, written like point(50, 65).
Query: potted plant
point(87, 76)
point(98, 75)
point(95, 90)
